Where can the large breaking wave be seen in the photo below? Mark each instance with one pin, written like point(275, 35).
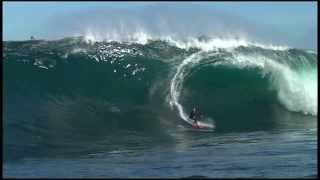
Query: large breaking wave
point(56, 89)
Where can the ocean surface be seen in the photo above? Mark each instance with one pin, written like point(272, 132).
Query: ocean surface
point(77, 107)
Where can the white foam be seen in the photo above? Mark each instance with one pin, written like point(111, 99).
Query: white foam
point(176, 84)
point(141, 37)
point(78, 50)
point(219, 43)
point(297, 91)
point(128, 65)
point(135, 37)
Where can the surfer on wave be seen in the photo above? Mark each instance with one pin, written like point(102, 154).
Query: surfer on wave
point(194, 115)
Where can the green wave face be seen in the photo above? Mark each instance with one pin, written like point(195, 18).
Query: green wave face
point(56, 89)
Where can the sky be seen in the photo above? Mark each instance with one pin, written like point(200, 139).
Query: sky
point(289, 23)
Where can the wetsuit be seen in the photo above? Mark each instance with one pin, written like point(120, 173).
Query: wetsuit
point(194, 116)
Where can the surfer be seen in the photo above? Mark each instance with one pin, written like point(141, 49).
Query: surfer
point(194, 115)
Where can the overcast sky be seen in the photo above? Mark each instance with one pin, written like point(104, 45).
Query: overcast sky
point(285, 23)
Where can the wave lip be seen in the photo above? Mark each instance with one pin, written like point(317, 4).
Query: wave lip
point(294, 82)
point(219, 43)
point(296, 88)
point(201, 42)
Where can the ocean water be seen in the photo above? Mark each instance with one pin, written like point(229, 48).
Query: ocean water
point(77, 107)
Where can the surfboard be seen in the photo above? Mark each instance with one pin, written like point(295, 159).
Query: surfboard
point(201, 130)
point(201, 125)
point(183, 128)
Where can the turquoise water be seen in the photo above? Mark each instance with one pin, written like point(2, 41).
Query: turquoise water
point(112, 109)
